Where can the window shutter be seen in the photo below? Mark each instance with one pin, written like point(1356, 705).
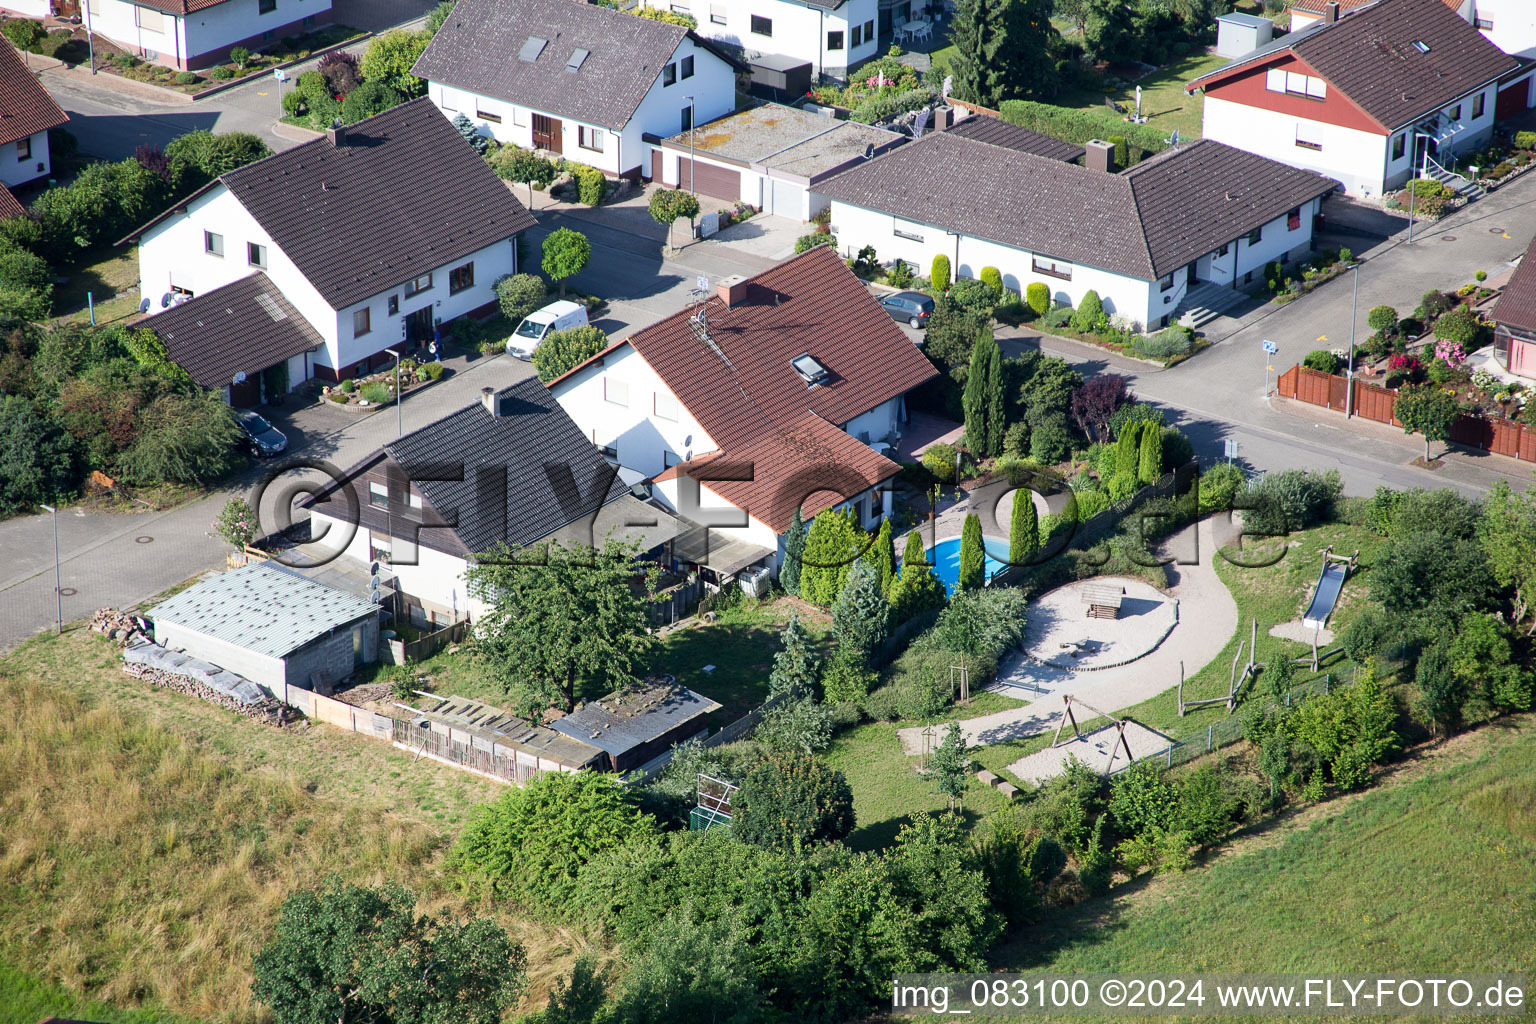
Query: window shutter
point(1274, 80)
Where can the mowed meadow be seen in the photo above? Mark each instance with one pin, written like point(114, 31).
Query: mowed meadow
point(142, 867)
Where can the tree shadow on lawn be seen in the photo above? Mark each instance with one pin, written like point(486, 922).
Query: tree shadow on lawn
point(880, 835)
point(741, 653)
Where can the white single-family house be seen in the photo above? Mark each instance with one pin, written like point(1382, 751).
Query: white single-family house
point(374, 234)
point(1508, 24)
point(830, 35)
point(510, 470)
point(778, 391)
point(583, 81)
point(1161, 237)
point(1370, 97)
point(26, 114)
point(187, 34)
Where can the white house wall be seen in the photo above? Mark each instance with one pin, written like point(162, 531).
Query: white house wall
point(117, 20)
point(210, 33)
point(437, 579)
point(16, 169)
point(642, 438)
point(799, 30)
point(878, 423)
point(1514, 25)
point(27, 8)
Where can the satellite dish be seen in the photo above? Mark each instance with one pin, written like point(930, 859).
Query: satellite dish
point(688, 455)
point(374, 569)
point(165, 301)
point(374, 582)
point(144, 306)
point(1173, 140)
point(688, 441)
point(239, 376)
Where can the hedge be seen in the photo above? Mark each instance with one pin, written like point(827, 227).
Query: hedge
point(1080, 126)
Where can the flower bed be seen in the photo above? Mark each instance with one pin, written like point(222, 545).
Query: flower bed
point(113, 60)
point(1326, 266)
point(378, 389)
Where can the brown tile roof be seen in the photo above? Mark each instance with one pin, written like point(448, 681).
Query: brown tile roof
point(245, 326)
point(810, 303)
point(1143, 223)
point(404, 195)
point(25, 106)
point(479, 46)
point(1516, 305)
point(1010, 136)
point(1346, 6)
point(1369, 55)
point(10, 206)
point(810, 463)
point(181, 7)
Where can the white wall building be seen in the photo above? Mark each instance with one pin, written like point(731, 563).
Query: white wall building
point(408, 263)
point(192, 34)
point(583, 81)
point(28, 113)
point(1144, 239)
point(831, 36)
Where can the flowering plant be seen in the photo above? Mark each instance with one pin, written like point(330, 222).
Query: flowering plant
point(236, 524)
point(1402, 362)
point(1452, 352)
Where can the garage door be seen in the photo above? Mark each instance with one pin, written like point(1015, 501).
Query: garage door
point(788, 199)
point(1512, 99)
point(709, 180)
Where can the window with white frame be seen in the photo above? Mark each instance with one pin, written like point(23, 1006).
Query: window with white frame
point(1478, 105)
point(1295, 84)
point(1051, 267)
point(1485, 24)
point(616, 391)
point(378, 494)
point(24, 148)
point(418, 284)
point(362, 322)
point(256, 254)
point(902, 229)
point(148, 19)
point(589, 138)
point(717, 14)
point(669, 74)
point(1309, 135)
point(685, 68)
point(520, 117)
point(762, 26)
point(447, 102)
point(213, 243)
point(486, 115)
point(666, 407)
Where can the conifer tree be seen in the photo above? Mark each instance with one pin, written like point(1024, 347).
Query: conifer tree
point(882, 555)
point(794, 548)
point(795, 663)
point(1151, 454)
point(1023, 528)
point(860, 614)
point(973, 555)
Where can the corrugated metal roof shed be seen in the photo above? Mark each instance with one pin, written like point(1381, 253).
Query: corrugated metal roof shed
point(264, 608)
point(618, 723)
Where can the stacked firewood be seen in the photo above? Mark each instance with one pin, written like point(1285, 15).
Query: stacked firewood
point(117, 626)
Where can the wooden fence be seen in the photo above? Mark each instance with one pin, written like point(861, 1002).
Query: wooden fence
point(1372, 402)
point(335, 712)
point(400, 651)
point(505, 764)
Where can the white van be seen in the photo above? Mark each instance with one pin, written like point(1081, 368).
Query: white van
point(538, 325)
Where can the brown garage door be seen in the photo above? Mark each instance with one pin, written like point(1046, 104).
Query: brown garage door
point(1511, 100)
point(709, 180)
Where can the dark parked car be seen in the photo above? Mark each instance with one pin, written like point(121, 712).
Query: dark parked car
point(914, 308)
point(261, 437)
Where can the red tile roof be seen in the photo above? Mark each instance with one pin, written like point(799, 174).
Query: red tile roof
point(1345, 6)
point(25, 106)
point(9, 206)
point(812, 463)
point(1516, 306)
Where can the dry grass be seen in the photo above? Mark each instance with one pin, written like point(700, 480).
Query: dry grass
point(144, 865)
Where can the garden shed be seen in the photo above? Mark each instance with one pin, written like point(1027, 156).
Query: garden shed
point(633, 727)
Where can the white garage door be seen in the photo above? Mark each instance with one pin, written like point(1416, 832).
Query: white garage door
point(788, 199)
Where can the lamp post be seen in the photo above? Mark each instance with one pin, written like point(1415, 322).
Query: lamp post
point(90, 37)
point(399, 430)
point(1354, 305)
point(58, 581)
point(1413, 193)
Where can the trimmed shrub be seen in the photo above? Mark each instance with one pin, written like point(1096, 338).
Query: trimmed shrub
point(221, 74)
point(1322, 360)
point(1122, 150)
point(1090, 315)
point(1038, 297)
point(993, 278)
point(190, 78)
point(1081, 126)
point(520, 294)
point(369, 99)
point(564, 350)
point(590, 183)
point(939, 276)
point(805, 243)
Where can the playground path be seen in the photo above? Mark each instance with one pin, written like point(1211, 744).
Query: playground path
point(1207, 620)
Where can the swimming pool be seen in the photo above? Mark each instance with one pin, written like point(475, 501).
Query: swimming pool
point(945, 557)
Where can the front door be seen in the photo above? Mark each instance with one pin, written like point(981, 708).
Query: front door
point(418, 326)
point(1189, 277)
point(546, 133)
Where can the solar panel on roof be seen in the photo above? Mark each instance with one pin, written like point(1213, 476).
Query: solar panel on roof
point(531, 49)
point(577, 56)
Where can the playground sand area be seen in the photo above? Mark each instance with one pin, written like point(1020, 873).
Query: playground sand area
point(1100, 750)
point(1061, 634)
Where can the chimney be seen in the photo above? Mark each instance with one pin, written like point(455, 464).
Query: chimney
point(943, 118)
point(732, 290)
point(1100, 156)
point(1330, 12)
point(488, 399)
point(337, 133)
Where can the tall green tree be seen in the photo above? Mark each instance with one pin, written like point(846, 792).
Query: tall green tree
point(346, 954)
point(997, 418)
point(917, 589)
point(947, 767)
point(1127, 452)
point(558, 619)
point(882, 555)
point(973, 555)
point(1426, 409)
point(795, 664)
point(1023, 528)
point(692, 970)
point(1507, 530)
point(1151, 461)
point(1442, 692)
point(390, 58)
point(834, 543)
point(565, 252)
point(792, 798)
point(794, 549)
point(1108, 30)
point(1003, 50)
point(860, 613)
point(982, 399)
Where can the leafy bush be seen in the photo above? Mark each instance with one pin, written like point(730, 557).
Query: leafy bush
point(1173, 340)
point(1038, 297)
point(1218, 485)
point(1292, 500)
point(883, 704)
point(190, 78)
point(38, 461)
point(376, 393)
point(790, 799)
point(1322, 360)
point(25, 34)
point(992, 278)
point(1459, 326)
point(983, 623)
point(1061, 316)
point(805, 243)
point(390, 57)
point(939, 274)
point(1081, 126)
point(1050, 440)
point(183, 438)
point(939, 460)
point(884, 106)
point(520, 294)
point(973, 296)
point(1090, 316)
point(340, 70)
point(1016, 439)
point(668, 16)
point(431, 371)
point(530, 844)
point(590, 183)
point(239, 56)
point(369, 99)
point(565, 350)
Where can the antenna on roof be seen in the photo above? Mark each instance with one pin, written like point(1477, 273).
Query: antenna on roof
point(869, 151)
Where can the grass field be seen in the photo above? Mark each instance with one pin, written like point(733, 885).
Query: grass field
point(150, 837)
point(110, 275)
point(1431, 871)
point(1163, 99)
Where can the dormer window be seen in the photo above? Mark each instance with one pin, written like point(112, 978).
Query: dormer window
point(531, 49)
point(809, 369)
point(1421, 46)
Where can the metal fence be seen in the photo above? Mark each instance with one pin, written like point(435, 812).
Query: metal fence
point(1227, 731)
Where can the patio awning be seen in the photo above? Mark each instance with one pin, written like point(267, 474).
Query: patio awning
point(716, 553)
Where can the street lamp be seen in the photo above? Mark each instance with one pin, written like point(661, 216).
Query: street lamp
point(1354, 305)
point(58, 581)
point(399, 430)
point(1413, 192)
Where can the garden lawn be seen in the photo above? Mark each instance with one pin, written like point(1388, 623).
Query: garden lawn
point(1429, 873)
point(887, 790)
point(1163, 99)
point(110, 275)
point(25, 999)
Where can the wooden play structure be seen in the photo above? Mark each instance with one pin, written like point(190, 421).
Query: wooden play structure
point(1067, 716)
point(1103, 601)
point(1234, 682)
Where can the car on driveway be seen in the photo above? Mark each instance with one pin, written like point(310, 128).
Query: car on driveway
point(911, 308)
point(261, 438)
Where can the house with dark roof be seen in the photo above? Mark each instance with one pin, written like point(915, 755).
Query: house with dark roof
point(1171, 235)
point(511, 469)
point(1370, 97)
point(187, 34)
point(579, 80)
point(768, 156)
point(777, 391)
point(374, 234)
point(1508, 24)
point(1514, 318)
point(26, 114)
point(831, 36)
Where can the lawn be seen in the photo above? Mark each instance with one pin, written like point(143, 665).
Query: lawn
point(110, 275)
point(1163, 99)
point(1428, 873)
point(150, 838)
